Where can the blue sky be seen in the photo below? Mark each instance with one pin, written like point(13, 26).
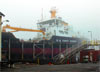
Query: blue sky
point(83, 15)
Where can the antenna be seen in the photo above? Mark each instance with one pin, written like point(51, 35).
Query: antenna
point(42, 15)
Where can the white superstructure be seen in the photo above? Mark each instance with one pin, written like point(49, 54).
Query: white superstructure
point(55, 27)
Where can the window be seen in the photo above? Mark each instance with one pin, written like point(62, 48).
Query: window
point(66, 32)
point(61, 31)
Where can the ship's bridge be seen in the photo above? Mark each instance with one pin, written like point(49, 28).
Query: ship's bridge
point(55, 27)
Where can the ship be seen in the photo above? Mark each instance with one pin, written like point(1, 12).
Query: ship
point(58, 37)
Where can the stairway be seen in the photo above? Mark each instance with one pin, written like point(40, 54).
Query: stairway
point(60, 58)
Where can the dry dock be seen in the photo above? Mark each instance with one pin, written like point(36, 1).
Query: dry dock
point(80, 67)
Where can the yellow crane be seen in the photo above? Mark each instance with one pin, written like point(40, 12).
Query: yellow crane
point(21, 29)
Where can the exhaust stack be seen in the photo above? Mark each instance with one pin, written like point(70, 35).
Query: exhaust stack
point(53, 13)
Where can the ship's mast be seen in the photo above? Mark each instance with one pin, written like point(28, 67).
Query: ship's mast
point(42, 15)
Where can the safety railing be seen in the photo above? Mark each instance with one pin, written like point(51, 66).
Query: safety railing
point(68, 54)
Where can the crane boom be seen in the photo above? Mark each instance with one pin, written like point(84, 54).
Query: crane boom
point(21, 29)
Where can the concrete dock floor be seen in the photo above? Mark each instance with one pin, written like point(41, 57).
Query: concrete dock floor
point(80, 67)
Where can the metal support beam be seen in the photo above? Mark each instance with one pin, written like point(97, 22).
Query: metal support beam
point(1, 14)
point(33, 50)
point(60, 47)
point(43, 49)
point(9, 50)
point(52, 51)
point(0, 36)
point(22, 50)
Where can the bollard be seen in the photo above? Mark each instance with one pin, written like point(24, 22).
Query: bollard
point(38, 61)
point(68, 62)
point(49, 63)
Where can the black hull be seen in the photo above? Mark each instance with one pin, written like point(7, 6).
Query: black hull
point(16, 51)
